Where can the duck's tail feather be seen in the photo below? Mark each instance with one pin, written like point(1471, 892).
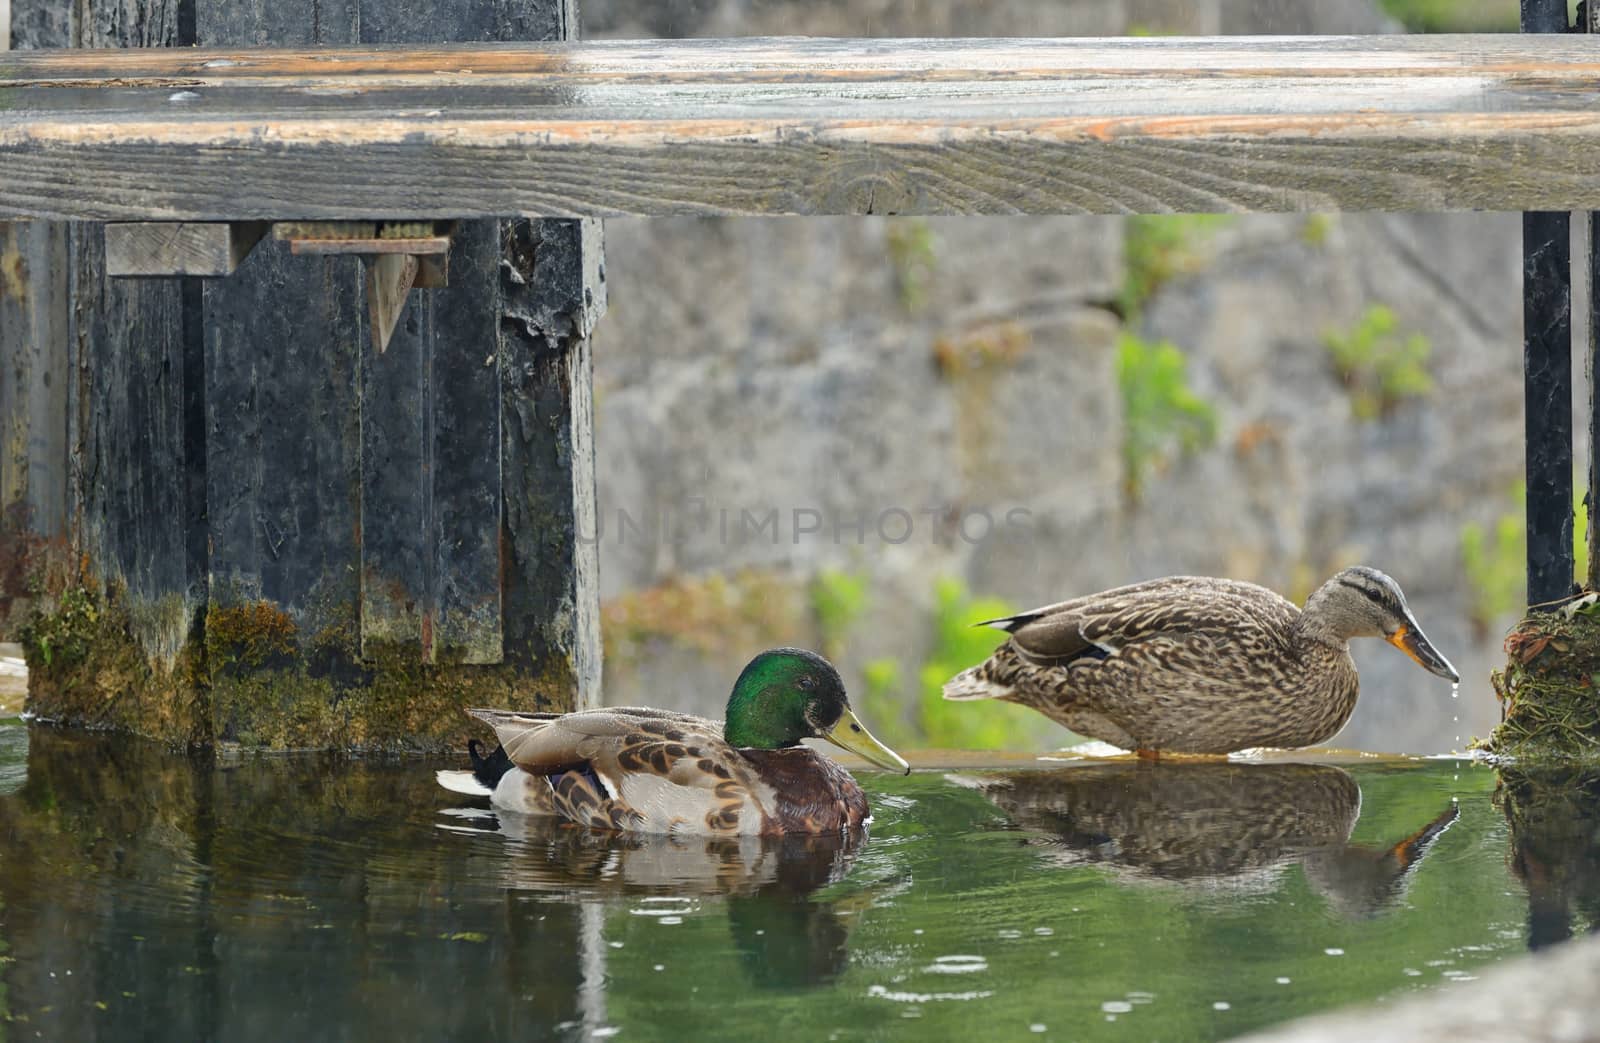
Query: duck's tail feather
point(462, 782)
point(972, 684)
point(485, 775)
point(1010, 624)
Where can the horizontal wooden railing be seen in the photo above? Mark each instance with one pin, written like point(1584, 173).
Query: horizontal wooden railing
point(781, 126)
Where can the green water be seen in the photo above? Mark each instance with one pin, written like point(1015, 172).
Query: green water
point(149, 896)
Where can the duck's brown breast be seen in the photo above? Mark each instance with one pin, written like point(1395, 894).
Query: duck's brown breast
point(810, 793)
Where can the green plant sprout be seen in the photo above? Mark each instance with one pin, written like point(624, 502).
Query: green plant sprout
point(914, 257)
point(1380, 367)
point(1160, 412)
point(1157, 248)
point(927, 719)
point(1495, 559)
point(838, 600)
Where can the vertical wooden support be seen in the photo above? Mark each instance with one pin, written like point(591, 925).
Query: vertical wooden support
point(126, 480)
point(35, 373)
point(1547, 373)
point(1547, 383)
point(1591, 24)
point(1592, 499)
point(288, 537)
point(374, 505)
point(34, 379)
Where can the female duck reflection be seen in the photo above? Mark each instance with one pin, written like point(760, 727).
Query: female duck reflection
point(1235, 825)
point(784, 936)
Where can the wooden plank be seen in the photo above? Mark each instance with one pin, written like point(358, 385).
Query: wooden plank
point(464, 440)
point(432, 245)
point(807, 126)
point(553, 298)
point(282, 363)
point(35, 318)
point(164, 248)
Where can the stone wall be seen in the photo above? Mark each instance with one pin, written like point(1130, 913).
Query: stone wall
point(837, 369)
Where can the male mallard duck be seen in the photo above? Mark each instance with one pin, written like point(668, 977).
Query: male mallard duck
point(655, 771)
point(1191, 664)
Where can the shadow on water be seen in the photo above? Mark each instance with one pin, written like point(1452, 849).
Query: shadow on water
point(1217, 825)
point(147, 895)
point(783, 937)
point(1554, 815)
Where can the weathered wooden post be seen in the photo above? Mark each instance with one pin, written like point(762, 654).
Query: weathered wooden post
point(289, 538)
point(1591, 25)
point(1547, 373)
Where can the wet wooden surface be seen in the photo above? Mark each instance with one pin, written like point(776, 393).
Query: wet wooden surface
point(768, 126)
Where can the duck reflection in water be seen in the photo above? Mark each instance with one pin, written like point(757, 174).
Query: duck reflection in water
point(785, 936)
point(1233, 827)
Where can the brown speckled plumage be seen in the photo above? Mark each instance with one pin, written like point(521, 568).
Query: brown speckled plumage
point(1193, 664)
point(654, 771)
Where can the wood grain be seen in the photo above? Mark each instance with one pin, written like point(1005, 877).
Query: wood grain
point(201, 248)
point(805, 127)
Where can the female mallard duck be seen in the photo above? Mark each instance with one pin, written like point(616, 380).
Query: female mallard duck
point(1196, 665)
point(655, 771)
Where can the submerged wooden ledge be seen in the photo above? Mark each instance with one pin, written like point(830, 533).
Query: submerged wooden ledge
point(791, 126)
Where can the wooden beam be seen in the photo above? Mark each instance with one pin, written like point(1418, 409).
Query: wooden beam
point(1495, 122)
point(155, 248)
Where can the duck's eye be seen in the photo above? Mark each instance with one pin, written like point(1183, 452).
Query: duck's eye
point(807, 683)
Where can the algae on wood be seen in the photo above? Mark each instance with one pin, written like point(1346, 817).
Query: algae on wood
point(1550, 705)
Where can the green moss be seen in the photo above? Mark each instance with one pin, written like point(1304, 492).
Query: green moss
point(253, 634)
point(1549, 689)
point(86, 667)
point(1380, 367)
point(1161, 415)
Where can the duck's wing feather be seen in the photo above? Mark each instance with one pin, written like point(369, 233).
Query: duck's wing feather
point(545, 743)
point(1099, 625)
point(658, 768)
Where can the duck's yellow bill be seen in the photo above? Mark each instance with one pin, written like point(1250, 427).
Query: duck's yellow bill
point(850, 734)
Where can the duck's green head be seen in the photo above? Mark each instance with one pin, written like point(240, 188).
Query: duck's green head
point(788, 694)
